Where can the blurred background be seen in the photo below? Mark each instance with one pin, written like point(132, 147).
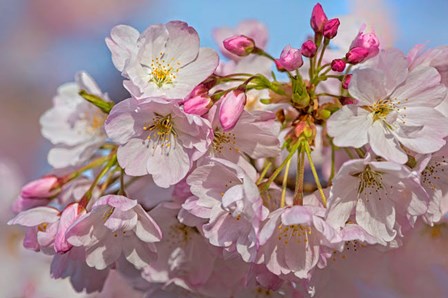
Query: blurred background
point(43, 43)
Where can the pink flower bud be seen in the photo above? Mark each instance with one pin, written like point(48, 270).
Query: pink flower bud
point(309, 49)
point(232, 105)
point(338, 65)
point(197, 105)
point(290, 59)
point(318, 18)
point(346, 81)
point(239, 45)
point(357, 55)
point(198, 102)
point(331, 28)
point(40, 188)
point(367, 41)
point(348, 101)
point(37, 193)
point(69, 215)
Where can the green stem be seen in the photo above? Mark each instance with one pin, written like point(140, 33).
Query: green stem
point(285, 184)
point(88, 195)
point(280, 168)
point(263, 173)
point(333, 158)
point(322, 53)
point(328, 94)
point(95, 163)
point(122, 190)
point(316, 176)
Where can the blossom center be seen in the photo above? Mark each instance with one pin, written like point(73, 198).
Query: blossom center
point(163, 72)
point(161, 130)
point(381, 109)
point(370, 182)
point(293, 232)
point(180, 234)
point(434, 172)
point(221, 139)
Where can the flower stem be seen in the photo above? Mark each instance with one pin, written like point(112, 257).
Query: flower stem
point(280, 168)
point(88, 195)
point(298, 193)
point(316, 176)
point(285, 184)
point(333, 158)
point(266, 168)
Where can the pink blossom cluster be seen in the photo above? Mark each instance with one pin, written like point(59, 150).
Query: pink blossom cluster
point(215, 179)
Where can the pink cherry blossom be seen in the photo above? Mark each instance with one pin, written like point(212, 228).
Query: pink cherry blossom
point(46, 227)
point(254, 134)
point(391, 100)
point(73, 125)
point(433, 172)
point(164, 60)
point(377, 193)
point(231, 204)
point(72, 265)
point(290, 58)
point(157, 138)
point(114, 227)
point(368, 41)
point(291, 240)
point(179, 251)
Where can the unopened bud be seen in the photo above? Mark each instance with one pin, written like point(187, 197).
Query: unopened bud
point(338, 65)
point(239, 45)
point(368, 41)
point(290, 59)
point(309, 49)
point(357, 55)
point(232, 106)
point(346, 81)
point(318, 18)
point(331, 28)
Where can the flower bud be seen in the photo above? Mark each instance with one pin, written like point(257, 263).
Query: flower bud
point(346, 81)
point(290, 59)
point(37, 193)
point(305, 129)
point(309, 49)
point(318, 18)
point(357, 55)
point(331, 28)
point(348, 101)
point(239, 45)
point(232, 106)
point(367, 41)
point(198, 102)
point(197, 105)
point(338, 65)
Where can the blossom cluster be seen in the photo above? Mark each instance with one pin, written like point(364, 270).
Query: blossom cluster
point(216, 179)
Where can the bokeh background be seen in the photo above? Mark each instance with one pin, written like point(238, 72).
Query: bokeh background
point(43, 43)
